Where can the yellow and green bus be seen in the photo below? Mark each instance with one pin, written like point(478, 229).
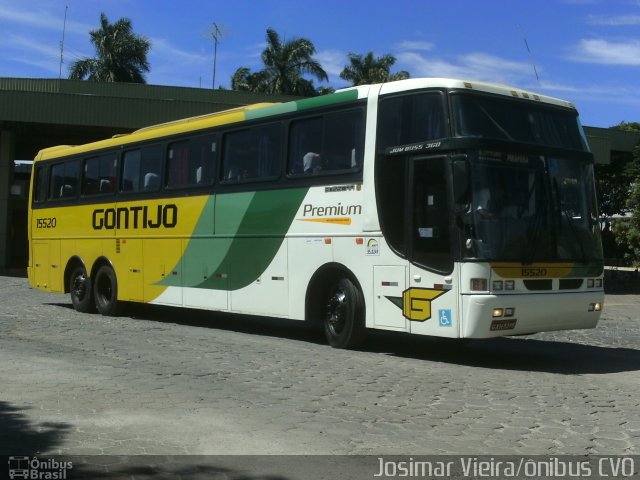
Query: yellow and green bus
point(432, 206)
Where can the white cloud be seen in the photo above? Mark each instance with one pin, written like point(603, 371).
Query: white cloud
point(333, 62)
point(475, 66)
point(416, 45)
point(581, 2)
point(161, 47)
point(614, 20)
point(25, 15)
point(32, 45)
point(605, 52)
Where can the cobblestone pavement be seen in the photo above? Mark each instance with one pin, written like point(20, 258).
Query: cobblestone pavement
point(173, 381)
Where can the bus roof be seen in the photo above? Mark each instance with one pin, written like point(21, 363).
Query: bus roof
point(154, 131)
point(201, 122)
point(260, 110)
point(457, 84)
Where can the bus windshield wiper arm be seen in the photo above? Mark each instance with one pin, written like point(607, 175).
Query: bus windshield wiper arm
point(572, 227)
point(496, 124)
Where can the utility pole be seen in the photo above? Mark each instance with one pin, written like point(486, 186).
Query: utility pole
point(64, 28)
point(216, 33)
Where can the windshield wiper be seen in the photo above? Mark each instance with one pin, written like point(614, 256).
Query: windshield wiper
point(572, 228)
point(495, 123)
point(538, 227)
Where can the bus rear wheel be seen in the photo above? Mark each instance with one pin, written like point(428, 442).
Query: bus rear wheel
point(344, 322)
point(80, 290)
point(105, 291)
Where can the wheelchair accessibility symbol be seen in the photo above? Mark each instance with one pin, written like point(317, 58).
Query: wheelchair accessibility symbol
point(444, 317)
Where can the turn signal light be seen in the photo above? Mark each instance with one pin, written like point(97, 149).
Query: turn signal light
point(479, 284)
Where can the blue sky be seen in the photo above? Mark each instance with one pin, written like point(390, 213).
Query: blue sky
point(586, 51)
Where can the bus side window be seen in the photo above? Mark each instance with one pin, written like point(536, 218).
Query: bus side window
point(305, 146)
point(71, 178)
point(190, 162)
point(40, 186)
point(410, 119)
point(90, 176)
point(332, 143)
point(141, 169)
point(64, 180)
point(178, 164)
point(99, 175)
point(56, 181)
point(151, 167)
point(235, 156)
point(343, 142)
point(252, 154)
point(130, 171)
point(203, 157)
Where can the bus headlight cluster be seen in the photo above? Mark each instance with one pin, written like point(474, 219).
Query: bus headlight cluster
point(594, 307)
point(503, 312)
point(499, 285)
point(478, 285)
point(594, 282)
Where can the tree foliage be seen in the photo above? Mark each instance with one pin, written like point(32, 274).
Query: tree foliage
point(367, 69)
point(619, 193)
point(285, 64)
point(121, 55)
point(614, 180)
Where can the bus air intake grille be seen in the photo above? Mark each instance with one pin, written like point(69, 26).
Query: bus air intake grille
point(538, 284)
point(571, 283)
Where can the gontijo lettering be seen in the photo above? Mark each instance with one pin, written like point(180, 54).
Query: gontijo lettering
point(135, 217)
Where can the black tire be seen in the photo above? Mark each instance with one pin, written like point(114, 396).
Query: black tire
point(80, 289)
point(344, 322)
point(105, 291)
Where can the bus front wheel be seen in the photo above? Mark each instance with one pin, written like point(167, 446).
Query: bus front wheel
point(344, 322)
point(80, 290)
point(105, 290)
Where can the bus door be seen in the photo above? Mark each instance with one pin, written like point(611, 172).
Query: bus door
point(430, 301)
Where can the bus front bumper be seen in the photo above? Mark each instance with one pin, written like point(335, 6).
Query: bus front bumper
point(487, 316)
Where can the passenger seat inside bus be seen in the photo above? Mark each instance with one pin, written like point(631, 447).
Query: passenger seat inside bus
point(151, 181)
point(105, 186)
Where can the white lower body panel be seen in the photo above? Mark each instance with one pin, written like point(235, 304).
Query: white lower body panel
point(533, 313)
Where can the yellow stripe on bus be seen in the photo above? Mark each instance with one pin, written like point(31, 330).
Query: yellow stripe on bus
point(534, 270)
point(335, 220)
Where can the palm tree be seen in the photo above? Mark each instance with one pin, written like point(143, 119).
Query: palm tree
point(285, 64)
point(246, 81)
point(121, 55)
point(367, 69)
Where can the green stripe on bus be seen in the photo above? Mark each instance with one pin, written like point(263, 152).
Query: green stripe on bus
point(313, 102)
point(261, 234)
point(324, 100)
point(250, 229)
point(271, 110)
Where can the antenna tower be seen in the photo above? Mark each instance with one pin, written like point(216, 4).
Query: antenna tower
point(526, 44)
point(64, 28)
point(216, 33)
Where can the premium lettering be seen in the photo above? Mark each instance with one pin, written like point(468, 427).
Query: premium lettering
point(135, 217)
point(331, 211)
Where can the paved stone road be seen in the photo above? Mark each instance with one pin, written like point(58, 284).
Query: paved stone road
point(172, 381)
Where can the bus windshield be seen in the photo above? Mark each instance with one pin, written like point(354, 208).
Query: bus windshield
point(530, 208)
point(516, 121)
